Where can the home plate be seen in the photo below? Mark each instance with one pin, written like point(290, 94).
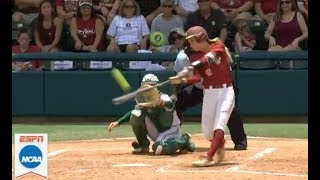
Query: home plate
point(132, 165)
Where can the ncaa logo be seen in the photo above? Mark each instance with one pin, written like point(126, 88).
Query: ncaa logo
point(30, 156)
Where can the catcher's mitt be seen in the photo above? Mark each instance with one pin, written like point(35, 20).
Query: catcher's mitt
point(150, 97)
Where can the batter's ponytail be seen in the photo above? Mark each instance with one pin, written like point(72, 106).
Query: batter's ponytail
point(229, 57)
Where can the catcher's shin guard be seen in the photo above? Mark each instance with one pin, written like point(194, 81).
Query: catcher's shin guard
point(167, 147)
point(139, 128)
point(185, 144)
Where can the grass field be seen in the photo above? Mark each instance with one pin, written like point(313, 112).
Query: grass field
point(84, 131)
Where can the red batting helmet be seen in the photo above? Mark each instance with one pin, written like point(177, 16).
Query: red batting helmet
point(197, 31)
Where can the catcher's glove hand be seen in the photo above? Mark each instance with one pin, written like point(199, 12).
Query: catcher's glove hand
point(149, 98)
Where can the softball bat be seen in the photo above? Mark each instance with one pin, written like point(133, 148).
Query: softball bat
point(120, 79)
point(132, 95)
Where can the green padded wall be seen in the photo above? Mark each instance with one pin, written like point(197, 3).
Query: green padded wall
point(85, 93)
point(273, 92)
point(27, 93)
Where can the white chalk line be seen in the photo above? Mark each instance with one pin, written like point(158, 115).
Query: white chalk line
point(262, 153)
point(165, 169)
point(54, 153)
point(236, 169)
point(252, 158)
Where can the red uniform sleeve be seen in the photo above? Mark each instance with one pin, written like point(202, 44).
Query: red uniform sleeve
point(217, 48)
point(194, 78)
point(59, 3)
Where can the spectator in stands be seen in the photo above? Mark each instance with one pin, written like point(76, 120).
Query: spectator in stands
point(288, 29)
point(47, 28)
point(166, 21)
point(213, 20)
point(177, 38)
point(234, 10)
point(265, 10)
point(303, 7)
point(24, 46)
point(87, 28)
point(108, 8)
point(244, 39)
point(26, 11)
point(149, 9)
point(67, 9)
point(183, 7)
point(128, 31)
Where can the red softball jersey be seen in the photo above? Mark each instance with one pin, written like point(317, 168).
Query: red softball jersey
point(214, 74)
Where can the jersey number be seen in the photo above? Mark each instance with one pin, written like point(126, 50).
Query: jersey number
point(208, 72)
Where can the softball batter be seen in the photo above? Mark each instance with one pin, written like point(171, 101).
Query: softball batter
point(155, 116)
point(213, 70)
point(191, 95)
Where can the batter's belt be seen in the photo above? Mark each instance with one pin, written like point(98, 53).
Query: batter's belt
point(218, 86)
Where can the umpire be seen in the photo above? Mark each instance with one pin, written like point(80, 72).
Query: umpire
point(191, 95)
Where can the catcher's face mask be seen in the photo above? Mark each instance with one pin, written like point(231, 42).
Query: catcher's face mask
point(151, 95)
point(149, 83)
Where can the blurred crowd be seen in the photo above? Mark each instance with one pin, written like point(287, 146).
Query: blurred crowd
point(127, 25)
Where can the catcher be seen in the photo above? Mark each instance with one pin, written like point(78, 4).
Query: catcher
point(155, 116)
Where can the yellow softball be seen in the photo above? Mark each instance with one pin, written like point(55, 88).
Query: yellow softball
point(120, 79)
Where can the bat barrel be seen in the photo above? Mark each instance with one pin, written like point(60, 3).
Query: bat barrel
point(132, 95)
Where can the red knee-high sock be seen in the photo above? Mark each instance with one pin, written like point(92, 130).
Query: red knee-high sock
point(216, 142)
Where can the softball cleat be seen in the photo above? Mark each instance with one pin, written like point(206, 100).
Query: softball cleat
point(203, 163)
point(158, 150)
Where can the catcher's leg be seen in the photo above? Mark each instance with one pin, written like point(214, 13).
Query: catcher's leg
point(139, 129)
point(185, 144)
point(167, 147)
point(171, 145)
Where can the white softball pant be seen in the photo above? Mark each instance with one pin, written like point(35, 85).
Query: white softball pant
point(216, 109)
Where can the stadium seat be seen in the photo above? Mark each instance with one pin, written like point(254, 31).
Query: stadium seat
point(257, 64)
point(257, 60)
point(293, 64)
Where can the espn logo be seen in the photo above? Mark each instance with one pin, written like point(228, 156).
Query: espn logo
point(31, 138)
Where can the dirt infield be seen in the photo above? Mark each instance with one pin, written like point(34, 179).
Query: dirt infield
point(266, 158)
